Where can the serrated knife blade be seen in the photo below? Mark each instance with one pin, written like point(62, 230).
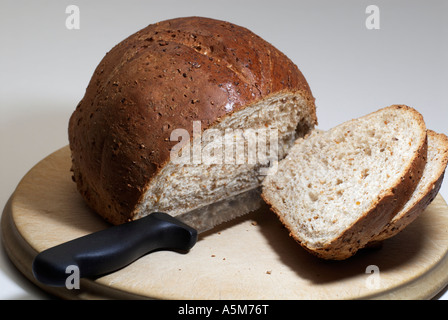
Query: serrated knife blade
point(113, 248)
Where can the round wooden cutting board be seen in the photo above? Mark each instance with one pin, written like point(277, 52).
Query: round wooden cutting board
point(249, 258)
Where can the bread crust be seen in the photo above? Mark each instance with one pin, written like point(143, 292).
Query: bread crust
point(380, 213)
point(427, 196)
point(161, 78)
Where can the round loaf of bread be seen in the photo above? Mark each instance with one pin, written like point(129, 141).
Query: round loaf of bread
point(165, 77)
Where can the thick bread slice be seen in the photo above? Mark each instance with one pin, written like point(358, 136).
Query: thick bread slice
point(337, 189)
point(426, 190)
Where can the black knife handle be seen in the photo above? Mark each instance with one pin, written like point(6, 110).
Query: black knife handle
point(108, 250)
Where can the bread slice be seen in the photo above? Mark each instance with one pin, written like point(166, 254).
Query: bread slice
point(339, 188)
point(426, 190)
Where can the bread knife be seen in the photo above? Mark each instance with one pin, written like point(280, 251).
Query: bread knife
point(111, 249)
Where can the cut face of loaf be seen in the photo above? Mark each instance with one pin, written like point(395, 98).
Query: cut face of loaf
point(180, 187)
point(426, 190)
point(337, 189)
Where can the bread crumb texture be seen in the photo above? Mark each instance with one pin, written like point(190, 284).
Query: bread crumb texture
point(337, 189)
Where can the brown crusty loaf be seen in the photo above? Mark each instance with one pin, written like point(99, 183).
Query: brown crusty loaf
point(337, 189)
point(164, 77)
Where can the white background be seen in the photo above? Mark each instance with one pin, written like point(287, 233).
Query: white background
point(45, 68)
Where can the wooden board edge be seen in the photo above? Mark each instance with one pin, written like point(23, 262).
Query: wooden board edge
point(22, 255)
point(426, 287)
